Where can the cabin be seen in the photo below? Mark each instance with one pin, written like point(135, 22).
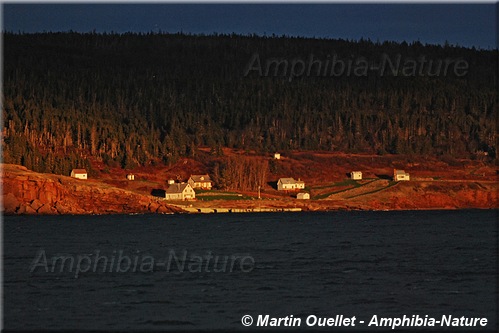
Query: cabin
point(399, 175)
point(356, 175)
point(130, 176)
point(290, 184)
point(79, 173)
point(277, 156)
point(200, 181)
point(303, 196)
point(180, 191)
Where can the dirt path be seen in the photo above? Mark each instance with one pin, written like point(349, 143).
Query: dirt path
point(374, 186)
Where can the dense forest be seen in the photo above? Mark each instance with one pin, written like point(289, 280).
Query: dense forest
point(139, 99)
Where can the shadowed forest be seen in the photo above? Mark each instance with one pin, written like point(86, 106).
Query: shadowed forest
point(149, 99)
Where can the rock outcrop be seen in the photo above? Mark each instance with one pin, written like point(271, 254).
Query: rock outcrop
point(28, 192)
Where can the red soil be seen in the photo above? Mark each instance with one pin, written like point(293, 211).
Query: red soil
point(435, 183)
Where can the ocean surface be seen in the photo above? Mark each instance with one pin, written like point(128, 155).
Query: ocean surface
point(205, 272)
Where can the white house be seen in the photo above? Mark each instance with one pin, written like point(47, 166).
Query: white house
point(130, 176)
point(399, 175)
point(277, 156)
point(79, 173)
point(180, 191)
point(303, 196)
point(200, 181)
point(356, 175)
point(171, 181)
point(289, 184)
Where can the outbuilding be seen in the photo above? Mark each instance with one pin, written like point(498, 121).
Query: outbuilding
point(400, 175)
point(356, 175)
point(303, 196)
point(79, 173)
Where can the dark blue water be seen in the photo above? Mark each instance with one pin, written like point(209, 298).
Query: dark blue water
point(349, 263)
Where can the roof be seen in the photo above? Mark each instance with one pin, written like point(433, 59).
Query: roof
point(177, 188)
point(287, 180)
point(79, 171)
point(201, 178)
point(356, 171)
point(399, 172)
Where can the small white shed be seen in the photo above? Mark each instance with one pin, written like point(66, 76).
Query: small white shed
point(303, 196)
point(356, 175)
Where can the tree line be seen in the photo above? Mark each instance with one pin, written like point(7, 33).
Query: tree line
point(140, 99)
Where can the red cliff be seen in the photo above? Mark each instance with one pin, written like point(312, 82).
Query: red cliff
point(28, 192)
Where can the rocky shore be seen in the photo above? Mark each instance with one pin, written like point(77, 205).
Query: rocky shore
point(28, 192)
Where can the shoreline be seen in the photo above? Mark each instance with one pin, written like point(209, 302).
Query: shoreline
point(276, 211)
point(215, 210)
point(30, 193)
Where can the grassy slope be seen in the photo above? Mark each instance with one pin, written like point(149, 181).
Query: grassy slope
point(433, 181)
point(434, 184)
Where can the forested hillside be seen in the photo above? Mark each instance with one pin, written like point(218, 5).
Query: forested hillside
point(137, 99)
